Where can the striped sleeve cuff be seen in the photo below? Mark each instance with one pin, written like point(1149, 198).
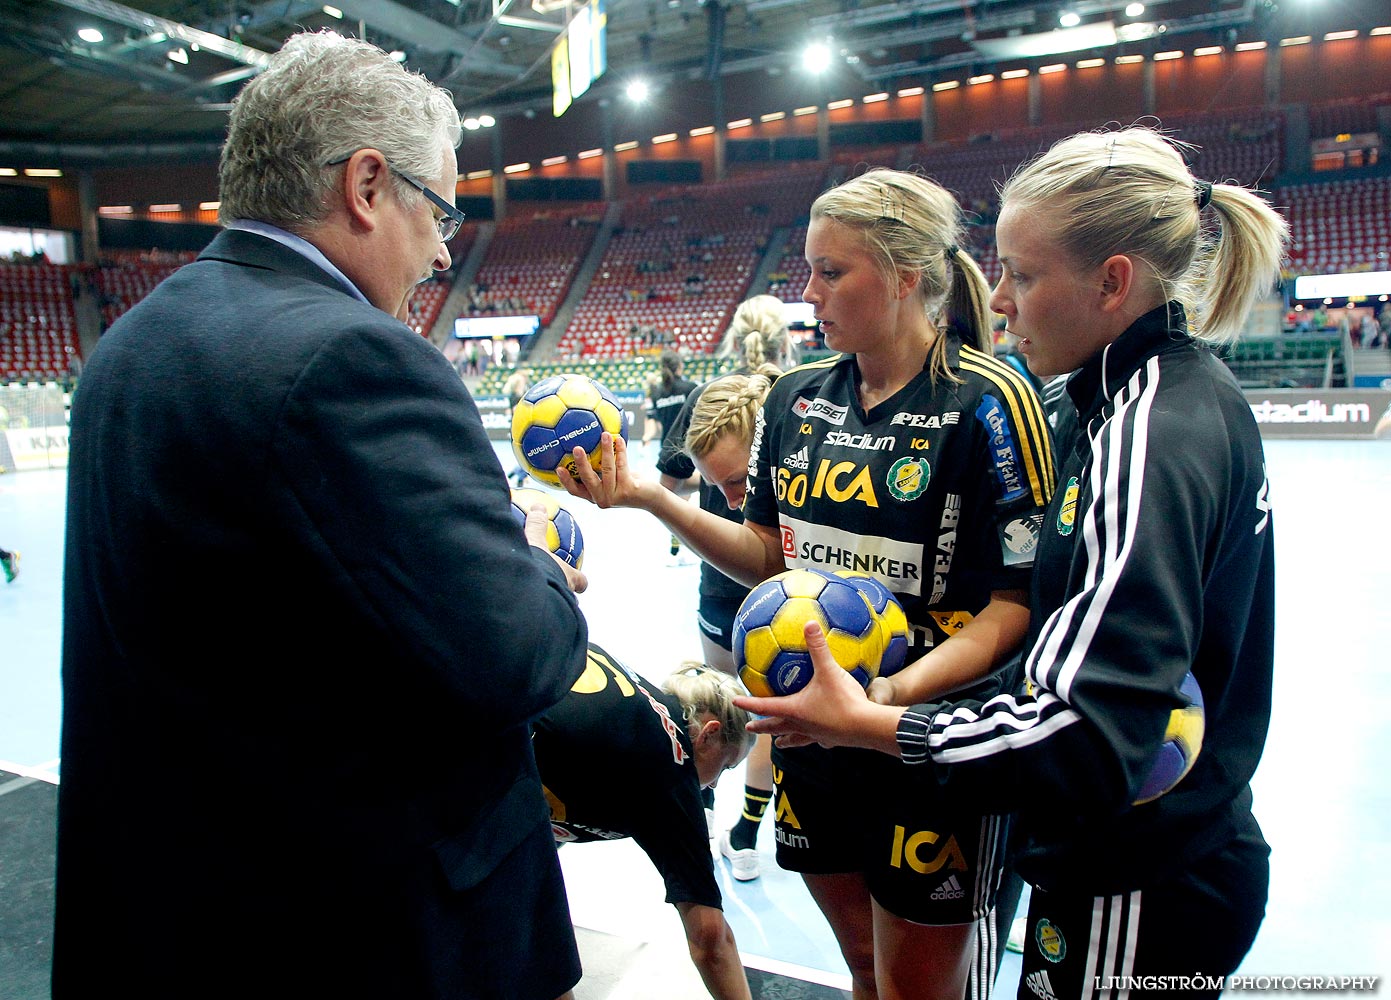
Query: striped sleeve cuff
point(913, 729)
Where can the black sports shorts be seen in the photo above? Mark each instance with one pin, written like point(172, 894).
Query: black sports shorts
point(923, 858)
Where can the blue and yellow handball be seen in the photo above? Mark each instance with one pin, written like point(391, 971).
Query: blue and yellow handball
point(770, 650)
point(1183, 740)
point(556, 415)
point(892, 621)
point(563, 537)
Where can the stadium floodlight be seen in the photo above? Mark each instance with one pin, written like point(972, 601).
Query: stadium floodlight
point(638, 91)
point(1069, 19)
point(816, 57)
point(90, 35)
point(1134, 9)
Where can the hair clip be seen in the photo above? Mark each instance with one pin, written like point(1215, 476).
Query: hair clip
point(890, 208)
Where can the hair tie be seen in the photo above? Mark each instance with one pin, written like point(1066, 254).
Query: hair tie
point(952, 249)
point(1202, 191)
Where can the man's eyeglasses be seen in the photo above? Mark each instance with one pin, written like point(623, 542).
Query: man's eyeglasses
point(452, 218)
point(448, 223)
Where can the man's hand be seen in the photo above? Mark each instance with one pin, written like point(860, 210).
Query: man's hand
point(537, 521)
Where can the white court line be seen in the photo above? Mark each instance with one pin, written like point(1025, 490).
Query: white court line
point(41, 772)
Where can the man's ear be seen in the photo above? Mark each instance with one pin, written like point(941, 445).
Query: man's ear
point(366, 178)
point(1117, 280)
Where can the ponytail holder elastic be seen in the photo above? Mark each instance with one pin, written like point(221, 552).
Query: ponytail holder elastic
point(952, 249)
point(1202, 191)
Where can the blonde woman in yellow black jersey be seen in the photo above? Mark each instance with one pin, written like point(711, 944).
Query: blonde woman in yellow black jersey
point(915, 456)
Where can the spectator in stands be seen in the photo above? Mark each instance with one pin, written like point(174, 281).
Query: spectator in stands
point(1319, 320)
point(1369, 330)
point(666, 393)
point(514, 389)
point(1154, 584)
point(291, 567)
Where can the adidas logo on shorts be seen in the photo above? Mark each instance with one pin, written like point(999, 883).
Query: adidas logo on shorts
point(1039, 986)
point(950, 889)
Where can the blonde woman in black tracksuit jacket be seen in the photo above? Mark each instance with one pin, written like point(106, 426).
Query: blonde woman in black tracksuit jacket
point(1153, 582)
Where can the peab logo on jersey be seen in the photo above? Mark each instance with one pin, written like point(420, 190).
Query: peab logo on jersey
point(991, 414)
point(823, 409)
point(1067, 510)
point(927, 419)
point(946, 546)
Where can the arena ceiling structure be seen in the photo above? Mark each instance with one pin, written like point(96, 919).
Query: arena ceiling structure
point(97, 77)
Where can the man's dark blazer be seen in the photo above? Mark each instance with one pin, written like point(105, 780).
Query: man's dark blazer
point(303, 638)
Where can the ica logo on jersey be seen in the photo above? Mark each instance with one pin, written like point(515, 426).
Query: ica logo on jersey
point(839, 481)
point(910, 849)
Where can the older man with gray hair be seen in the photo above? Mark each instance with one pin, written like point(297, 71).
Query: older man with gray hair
point(303, 636)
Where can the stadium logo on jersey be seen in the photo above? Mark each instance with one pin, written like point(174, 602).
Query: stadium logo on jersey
point(866, 442)
point(1020, 538)
point(908, 849)
point(946, 546)
point(897, 564)
point(908, 478)
point(932, 420)
point(823, 409)
point(1049, 939)
point(1067, 512)
point(1039, 986)
point(950, 889)
point(991, 414)
point(798, 461)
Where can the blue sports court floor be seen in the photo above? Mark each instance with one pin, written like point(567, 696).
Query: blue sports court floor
point(1320, 792)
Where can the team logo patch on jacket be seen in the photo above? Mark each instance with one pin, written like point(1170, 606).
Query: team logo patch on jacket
point(1067, 510)
point(1049, 939)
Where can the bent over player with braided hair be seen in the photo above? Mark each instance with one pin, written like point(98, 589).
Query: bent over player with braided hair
point(620, 759)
